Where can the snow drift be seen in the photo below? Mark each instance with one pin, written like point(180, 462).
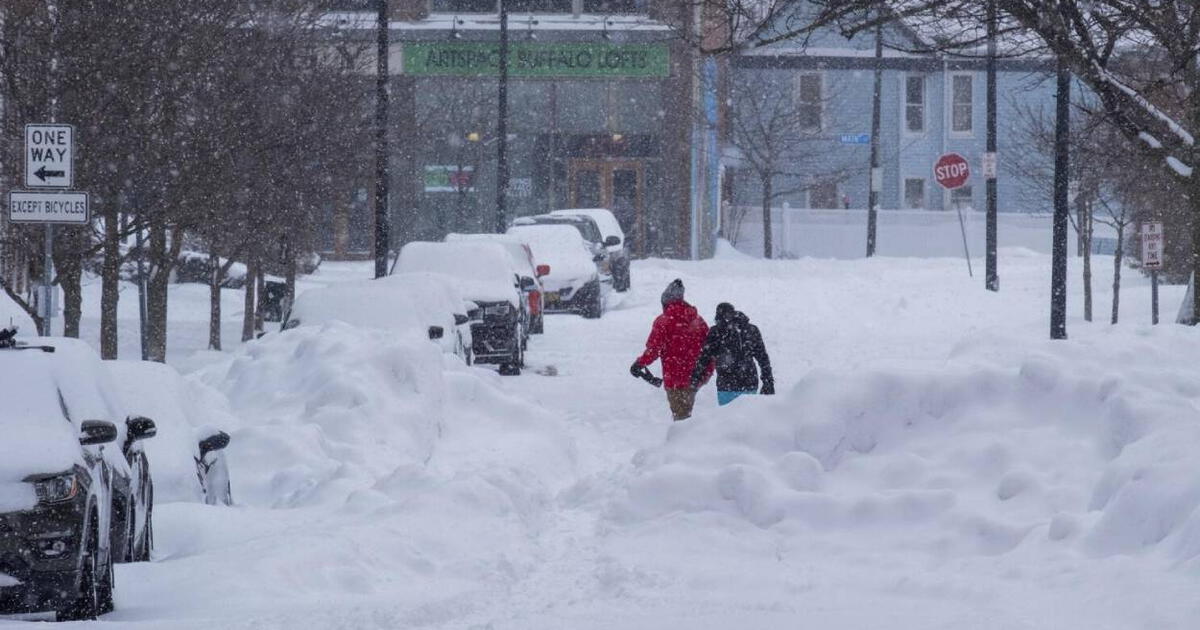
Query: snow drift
point(966, 460)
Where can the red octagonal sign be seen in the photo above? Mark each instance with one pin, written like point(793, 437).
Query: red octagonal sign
point(951, 171)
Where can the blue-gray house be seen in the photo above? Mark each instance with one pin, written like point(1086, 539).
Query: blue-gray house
point(931, 104)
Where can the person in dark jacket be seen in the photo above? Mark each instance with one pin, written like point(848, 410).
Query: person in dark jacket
point(675, 339)
point(734, 345)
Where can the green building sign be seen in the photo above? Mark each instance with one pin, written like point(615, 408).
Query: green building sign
point(535, 59)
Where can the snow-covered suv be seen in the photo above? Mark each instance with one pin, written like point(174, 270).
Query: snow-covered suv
point(68, 507)
point(484, 274)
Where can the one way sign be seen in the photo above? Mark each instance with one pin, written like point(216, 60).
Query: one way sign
point(49, 156)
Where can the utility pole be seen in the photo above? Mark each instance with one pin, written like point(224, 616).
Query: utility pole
point(992, 165)
point(876, 173)
point(47, 298)
point(502, 127)
point(1058, 272)
point(382, 218)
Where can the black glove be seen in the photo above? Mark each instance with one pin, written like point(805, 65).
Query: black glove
point(768, 387)
point(636, 369)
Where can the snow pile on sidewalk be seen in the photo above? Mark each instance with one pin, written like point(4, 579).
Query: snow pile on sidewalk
point(975, 458)
point(335, 411)
point(184, 411)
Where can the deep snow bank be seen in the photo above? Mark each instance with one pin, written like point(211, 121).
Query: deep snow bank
point(965, 459)
point(335, 412)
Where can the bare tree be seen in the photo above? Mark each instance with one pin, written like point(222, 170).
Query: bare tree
point(779, 136)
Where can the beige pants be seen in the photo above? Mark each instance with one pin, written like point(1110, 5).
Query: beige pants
point(681, 401)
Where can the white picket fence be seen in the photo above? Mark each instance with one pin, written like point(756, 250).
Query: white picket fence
point(842, 234)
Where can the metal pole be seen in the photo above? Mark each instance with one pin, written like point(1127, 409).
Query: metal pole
point(502, 127)
point(992, 282)
point(876, 175)
point(48, 271)
point(1058, 272)
point(382, 218)
point(963, 228)
point(142, 297)
point(1154, 297)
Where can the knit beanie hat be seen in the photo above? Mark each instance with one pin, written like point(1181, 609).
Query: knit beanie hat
point(673, 293)
point(725, 311)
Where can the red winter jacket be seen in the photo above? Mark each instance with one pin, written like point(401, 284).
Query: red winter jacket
point(676, 338)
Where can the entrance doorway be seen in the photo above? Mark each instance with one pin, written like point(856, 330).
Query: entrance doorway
point(618, 185)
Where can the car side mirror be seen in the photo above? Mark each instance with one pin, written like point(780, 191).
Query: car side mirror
point(93, 432)
point(140, 428)
point(612, 241)
point(436, 332)
point(527, 283)
point(543, 270)
point(214, 442)
point(460, 319)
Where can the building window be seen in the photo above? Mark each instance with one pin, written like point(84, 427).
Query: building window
point(962, 87)
point(914, 104)
point(914, 193)
point(614, 6)
point(823, 195)
point(464, 6)
point(539, 6)
point(810, 102)
point(961, 197)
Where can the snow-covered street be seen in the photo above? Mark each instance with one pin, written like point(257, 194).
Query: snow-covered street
point(930, 461)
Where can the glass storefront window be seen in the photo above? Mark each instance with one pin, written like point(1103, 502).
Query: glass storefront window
point(540, 6)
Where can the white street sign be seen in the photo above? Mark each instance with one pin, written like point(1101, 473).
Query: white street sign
point(48, 206)
point(1153, 242)
point(49, 156)
point(989, 165)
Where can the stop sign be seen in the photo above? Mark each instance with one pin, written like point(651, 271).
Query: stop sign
point(951, 171)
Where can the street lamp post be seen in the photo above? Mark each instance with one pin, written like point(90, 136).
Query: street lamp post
point(502, 127)
point(382, 219)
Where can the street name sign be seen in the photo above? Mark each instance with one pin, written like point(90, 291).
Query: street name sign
point(855, 138)
point(1153, 241)
point(48, 206)
point(951, 171)
point(49, 156)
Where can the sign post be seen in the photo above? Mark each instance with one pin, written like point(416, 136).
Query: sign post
point(952, 171)
point(49, 171)
point(1153, 242)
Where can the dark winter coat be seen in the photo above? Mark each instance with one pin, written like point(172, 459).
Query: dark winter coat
point(676, 339)
point(734, 344)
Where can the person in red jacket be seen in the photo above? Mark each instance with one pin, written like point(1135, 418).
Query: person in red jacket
point(676, 339)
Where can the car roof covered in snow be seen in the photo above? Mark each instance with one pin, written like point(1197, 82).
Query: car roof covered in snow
point(604, 218)
point(518, 251)
point(483, 272)
point(403, 302)
point(45, 399)
point(559, 246)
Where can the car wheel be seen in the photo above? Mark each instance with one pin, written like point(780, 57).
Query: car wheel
point(87, 603)
point(595, 306)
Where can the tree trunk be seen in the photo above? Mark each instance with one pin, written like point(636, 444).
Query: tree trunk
point(250, 302)
point(1116, 299)
point(1085, 249)
point(163, 252)
point(260, 306)
point(766, 209)
point(289, 295)
point(110, 278)
point(214, 301)
point(68, 272)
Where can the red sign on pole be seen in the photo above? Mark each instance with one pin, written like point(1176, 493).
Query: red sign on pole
point(951, 171)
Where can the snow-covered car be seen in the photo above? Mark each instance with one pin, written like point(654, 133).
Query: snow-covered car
point(573, 283)
point(484, 273)
point(587, 228)
point(68, 505)
point(530, 273)
point(614, 241)
point(429, 305)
